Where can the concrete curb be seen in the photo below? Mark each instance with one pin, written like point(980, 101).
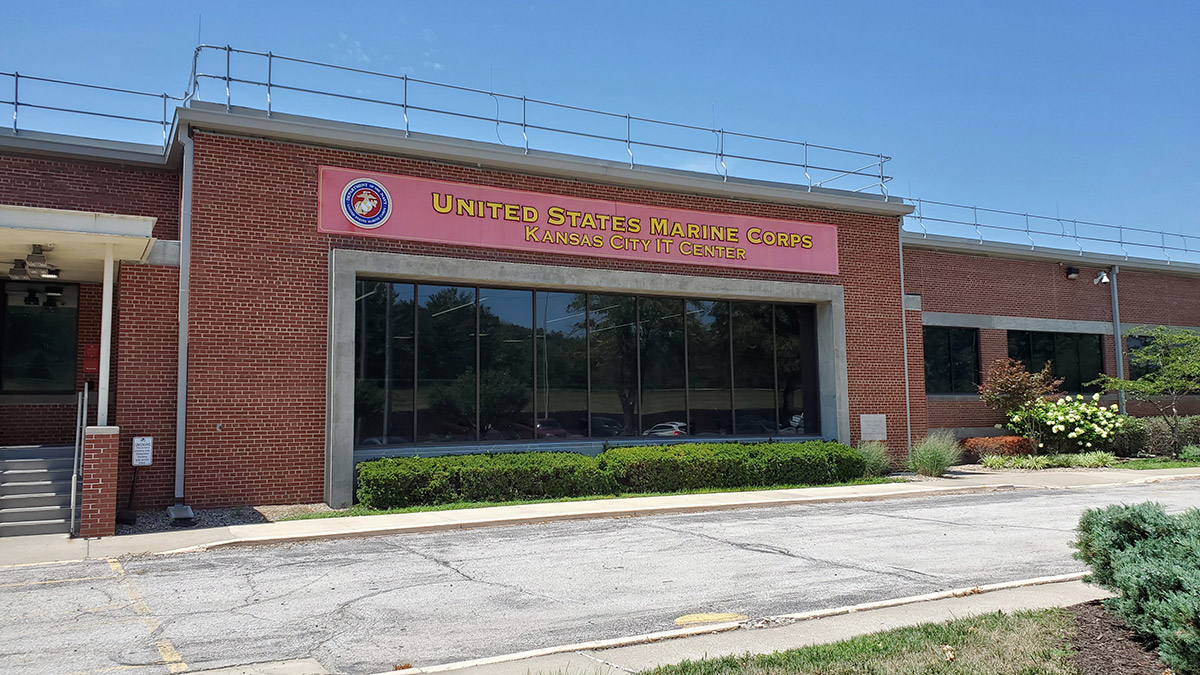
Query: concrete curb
point(734, 625)
point(632, 511)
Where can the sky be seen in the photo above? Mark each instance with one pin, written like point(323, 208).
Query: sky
point(1080, 110)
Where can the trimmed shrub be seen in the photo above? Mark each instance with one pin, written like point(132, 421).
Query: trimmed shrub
point(1190, 453)
point(1130, 440)
point(934, 454)
point(874, 454)
point(1159, 440)
point(409, 481)
point(1003, 446)
point(1152, 560)
point(687, 466)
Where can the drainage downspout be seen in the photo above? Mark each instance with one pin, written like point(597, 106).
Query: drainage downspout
point(1116, 313)
point(904, 327)
point(180, 510)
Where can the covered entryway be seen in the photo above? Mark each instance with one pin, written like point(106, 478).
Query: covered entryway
point(58, 280)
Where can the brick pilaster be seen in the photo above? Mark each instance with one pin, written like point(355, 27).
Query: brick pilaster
point(98, 506)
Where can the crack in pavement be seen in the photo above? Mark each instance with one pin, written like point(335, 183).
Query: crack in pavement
point(972, 525)
point(442, 563)
point(912, 575)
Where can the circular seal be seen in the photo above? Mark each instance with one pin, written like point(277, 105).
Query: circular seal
point(366, 203)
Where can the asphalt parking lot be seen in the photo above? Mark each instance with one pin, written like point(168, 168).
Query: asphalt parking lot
point(367, 605)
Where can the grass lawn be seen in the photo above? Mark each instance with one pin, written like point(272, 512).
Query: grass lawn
point(1156, 463)
point(358, 510)
point(1029, 643)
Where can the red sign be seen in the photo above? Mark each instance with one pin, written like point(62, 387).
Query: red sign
point(91, 358)
point(415, 209)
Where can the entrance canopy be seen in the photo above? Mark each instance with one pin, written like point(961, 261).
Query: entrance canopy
point(73, 242)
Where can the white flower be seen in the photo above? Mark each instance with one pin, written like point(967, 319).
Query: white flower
point(999, 426)
point(1096, 396)
point(1089, 445)
point(1063, 401)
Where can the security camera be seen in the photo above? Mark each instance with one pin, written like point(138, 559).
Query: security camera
point(1101, 278)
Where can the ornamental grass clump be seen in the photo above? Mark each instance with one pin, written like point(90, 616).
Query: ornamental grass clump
point(874, 454)
point(1068, 424)
point(934, 454)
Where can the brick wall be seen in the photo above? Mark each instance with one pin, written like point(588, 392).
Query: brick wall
point(147, 354)
point(258, 310)
point(91, 186)
point(957, 283)
point(82, 186)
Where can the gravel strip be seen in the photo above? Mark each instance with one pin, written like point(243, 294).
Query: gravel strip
point(157, 520)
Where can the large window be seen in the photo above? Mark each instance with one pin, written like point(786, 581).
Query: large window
point(453, 364)
point(1075, 357)
point(951, 360)
point(39, 338)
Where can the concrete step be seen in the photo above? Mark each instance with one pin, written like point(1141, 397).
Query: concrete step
point(35, 484)
point(19, 501)
point(37, 452)
point(26, 475)
point(36, 463)
point(53, 526)
point(34, 514)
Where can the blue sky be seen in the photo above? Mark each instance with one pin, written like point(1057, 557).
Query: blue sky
point(1083, 109)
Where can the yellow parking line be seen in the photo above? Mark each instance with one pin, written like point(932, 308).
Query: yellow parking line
point(55, 581)
point(166, 649)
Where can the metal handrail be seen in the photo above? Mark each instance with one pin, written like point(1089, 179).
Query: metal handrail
point(1170, 246)
point(228, 78)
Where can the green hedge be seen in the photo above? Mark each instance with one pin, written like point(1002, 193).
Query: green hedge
point(689, 466)
point(1152, 560)
point(409, 481)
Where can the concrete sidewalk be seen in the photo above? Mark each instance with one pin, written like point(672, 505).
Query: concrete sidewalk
point(779, 634)
point(41, 549)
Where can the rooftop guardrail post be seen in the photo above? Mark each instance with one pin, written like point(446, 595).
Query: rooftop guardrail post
point(270, 60)
point(882, 181)
point(628, 140)
point(164, 119)
point(228, 100)
point(806, 174)
point(524, 131)
point(405, 108)
point(16, 97)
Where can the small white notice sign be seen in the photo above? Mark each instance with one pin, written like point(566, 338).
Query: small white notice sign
point(873, 427)
point(143, 450)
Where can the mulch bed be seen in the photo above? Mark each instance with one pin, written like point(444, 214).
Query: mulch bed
point(1105, 645)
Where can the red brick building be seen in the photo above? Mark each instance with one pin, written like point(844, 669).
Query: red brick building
point(324, 314)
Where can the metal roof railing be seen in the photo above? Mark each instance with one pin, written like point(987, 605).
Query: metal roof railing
point(114, 104)
point(1078, 237)
point(279, 84)
point(282, 84)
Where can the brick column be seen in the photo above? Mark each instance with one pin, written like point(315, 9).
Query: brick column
point(98, 506)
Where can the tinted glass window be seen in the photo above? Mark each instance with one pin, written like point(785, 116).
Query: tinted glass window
point(505, 364)
point(561, 392)
point(1074, 357)
point(951, 360)
point(456, 364)
point(710, 390)
point(796, 354)
point(40, 334)
point(753, 369)
point(660, 338)
point(614, 361)
point(446, 383)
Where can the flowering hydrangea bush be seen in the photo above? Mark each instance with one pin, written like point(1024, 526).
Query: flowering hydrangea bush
point(1068, 424)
